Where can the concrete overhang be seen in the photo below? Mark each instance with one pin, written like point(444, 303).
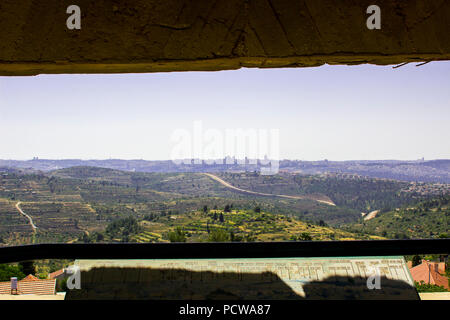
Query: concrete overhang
point(206, 35)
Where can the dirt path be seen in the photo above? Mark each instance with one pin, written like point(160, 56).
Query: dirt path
point(371, 215)
point(26, 216)
point(226, 184)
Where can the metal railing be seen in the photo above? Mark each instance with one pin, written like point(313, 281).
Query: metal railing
point(224, 250)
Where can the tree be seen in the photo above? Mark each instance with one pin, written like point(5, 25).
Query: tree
point(257, 209)
point(125, 237)
point(205, 209)
point(149, 217)
point(221, 217)
point(8, 271)
point(227, 208)
point(99, 237)
point(27, 267)
point(416, 260)
point(179, 235)
point(85, 238)
point(305, 236)
point(218, 235)
point(234, 237)
point(250, 237)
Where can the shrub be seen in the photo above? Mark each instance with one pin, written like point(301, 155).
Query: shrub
point(424, 287)
point(179, 235)
point(218, 235)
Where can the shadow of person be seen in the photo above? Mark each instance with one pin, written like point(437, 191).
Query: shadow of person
point(180, 284)
point(355, 288)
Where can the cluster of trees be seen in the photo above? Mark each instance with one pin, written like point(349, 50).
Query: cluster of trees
point(163, 213)
point(358, 193)
point(226, 209)
point(219, 217)
point(121, 229)
point(21, 270)
point(178, 235)
point(150, 217)
point(124, 226)
point(438, 203)
point(215, 235)
point(222, 235)
point(304, 236)
point(7, 271)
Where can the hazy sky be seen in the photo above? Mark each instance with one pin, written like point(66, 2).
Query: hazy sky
point(333, 112)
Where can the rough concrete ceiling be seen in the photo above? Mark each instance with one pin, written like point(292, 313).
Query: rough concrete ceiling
point(183, 35)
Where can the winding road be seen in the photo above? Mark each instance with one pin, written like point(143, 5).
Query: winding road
point(226, 184)
point(26, 216)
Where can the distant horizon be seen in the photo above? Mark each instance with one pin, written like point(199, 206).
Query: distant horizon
point(204, 159)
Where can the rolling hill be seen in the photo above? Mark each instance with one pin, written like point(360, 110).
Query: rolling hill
point(428, 219)
point(71, 203)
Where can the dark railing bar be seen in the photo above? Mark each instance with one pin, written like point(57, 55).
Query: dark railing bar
point(224, 250)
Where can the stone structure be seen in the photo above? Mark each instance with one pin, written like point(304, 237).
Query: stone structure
point(248, 279)
point(187, 35)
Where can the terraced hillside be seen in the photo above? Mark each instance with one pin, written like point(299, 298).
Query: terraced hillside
point(62, 221)
point(14, 228)
point(72, 203)
point(174, 191)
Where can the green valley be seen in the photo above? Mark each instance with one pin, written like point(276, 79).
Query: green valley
point(100, 204)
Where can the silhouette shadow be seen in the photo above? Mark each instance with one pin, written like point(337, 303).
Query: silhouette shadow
point(355, 288)
point(179, 284)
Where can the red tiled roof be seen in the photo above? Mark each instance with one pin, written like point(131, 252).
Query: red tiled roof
point(427, 273)
point(30, 277)
point(30, 285)
point(441, 267)
point(55, 274)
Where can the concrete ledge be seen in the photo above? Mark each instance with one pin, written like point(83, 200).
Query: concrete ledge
point(204, 35)
point(27, 69)
point(58, 296)
point(434, 296)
